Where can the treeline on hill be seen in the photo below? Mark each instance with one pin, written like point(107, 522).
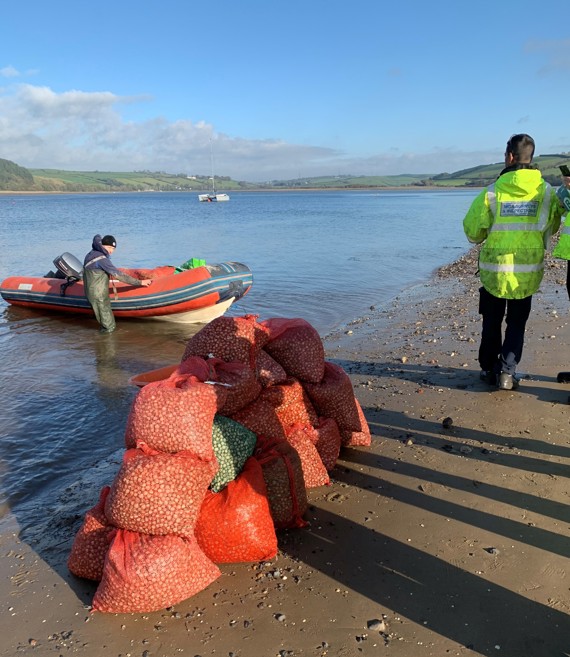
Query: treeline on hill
point(14, 178)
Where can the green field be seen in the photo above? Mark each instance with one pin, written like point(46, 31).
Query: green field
point(136, 181)
point(16, 178)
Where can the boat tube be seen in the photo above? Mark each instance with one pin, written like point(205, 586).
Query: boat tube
point(192, 294)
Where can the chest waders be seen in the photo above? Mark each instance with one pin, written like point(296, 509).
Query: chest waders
point(96, 283)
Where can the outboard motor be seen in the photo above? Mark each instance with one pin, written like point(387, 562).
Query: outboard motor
point(70, 268)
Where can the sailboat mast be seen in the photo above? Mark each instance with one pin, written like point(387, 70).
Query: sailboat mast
point(212, 165)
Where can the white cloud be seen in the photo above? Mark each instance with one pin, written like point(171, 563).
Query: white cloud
point(85, 131)
point(77, 130)
point(9, 72)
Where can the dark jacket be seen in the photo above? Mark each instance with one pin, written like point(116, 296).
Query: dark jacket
point(98, 259)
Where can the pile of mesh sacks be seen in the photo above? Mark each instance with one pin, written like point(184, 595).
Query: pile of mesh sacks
point(218, 457)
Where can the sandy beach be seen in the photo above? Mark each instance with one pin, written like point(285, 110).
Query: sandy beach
point(449, 536)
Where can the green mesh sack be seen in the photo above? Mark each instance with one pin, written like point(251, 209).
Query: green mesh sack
point(233, 445)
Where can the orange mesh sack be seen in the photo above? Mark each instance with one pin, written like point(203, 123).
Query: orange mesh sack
point(147, 573)
point(302, 439)
point(297, 346)
point(269, 372)
point(236, 525)
point(291, 403)
point(283, 475)
point(157, 493)
point(175, 415)
point(239, 381)
point(229, 338)
point(357, 437)
point(328, 441)
point(91, 542)
point(276, 409)
point(334, 397)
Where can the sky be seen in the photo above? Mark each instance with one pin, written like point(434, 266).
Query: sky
point(274, 90)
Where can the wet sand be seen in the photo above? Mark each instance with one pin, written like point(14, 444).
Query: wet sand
point(449, 536)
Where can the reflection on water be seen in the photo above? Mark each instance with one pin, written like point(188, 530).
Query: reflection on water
point(326, 257)
point(68, 393)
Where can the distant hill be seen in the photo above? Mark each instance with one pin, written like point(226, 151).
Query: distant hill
point(138, 181)
point(14, 178)
point(484, 175)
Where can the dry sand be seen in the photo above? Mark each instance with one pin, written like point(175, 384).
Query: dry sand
point(453, 537)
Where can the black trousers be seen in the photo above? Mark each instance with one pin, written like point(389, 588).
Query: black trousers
point(495, 353)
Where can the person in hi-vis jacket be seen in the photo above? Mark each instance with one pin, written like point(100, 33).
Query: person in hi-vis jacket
point(514, 219)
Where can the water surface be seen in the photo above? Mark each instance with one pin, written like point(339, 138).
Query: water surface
point(323, 256)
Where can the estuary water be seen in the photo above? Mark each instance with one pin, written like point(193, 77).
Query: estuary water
point(323, 256)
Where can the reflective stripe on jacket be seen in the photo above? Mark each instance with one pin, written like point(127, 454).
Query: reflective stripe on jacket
point(515, 217)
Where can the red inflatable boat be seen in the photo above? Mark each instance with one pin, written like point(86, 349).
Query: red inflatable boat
point(180, 294)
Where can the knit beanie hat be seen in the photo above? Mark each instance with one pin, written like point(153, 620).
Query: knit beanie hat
point(109, 240)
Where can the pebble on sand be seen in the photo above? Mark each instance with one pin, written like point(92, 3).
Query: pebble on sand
point(376, 625)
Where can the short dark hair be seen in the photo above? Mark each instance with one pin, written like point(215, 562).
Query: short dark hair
point(521, 147)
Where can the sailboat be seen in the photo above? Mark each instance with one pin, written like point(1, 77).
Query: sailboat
point(213, 196)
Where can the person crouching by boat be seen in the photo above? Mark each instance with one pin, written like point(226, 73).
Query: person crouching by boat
point(97, 271)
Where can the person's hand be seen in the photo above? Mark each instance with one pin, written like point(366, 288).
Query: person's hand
point(566, 181)
point(146, 282)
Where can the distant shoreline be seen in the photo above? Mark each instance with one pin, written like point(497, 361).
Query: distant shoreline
point(424, 188)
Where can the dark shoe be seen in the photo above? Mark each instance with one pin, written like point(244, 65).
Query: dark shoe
point(508, 381)
point(489, 377)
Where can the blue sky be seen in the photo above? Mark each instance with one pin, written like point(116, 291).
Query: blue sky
point(281, 89)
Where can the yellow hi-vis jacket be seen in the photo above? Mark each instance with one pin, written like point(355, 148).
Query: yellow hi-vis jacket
point(515, 217)
point(562, 249)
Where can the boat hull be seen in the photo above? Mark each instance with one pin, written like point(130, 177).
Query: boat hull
point(191, 296)
point(213, 198)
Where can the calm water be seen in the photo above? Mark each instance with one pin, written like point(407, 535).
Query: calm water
point(323, 256)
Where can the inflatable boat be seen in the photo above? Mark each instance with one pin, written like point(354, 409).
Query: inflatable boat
point(194, 292)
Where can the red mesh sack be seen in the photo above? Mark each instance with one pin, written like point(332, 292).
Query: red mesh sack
point(229, 338)
point(195, 366)
point(236, 525)
point(269, 372)
point(283, 476)
point(174, 415)
point(360, 437)
point(239, 381)
point(91, 542)
point(302, 439)
point(261, 418)
point(297, 346)
point(328, 441)
point(157, 493)
point(147, 573)
point(334, 397)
